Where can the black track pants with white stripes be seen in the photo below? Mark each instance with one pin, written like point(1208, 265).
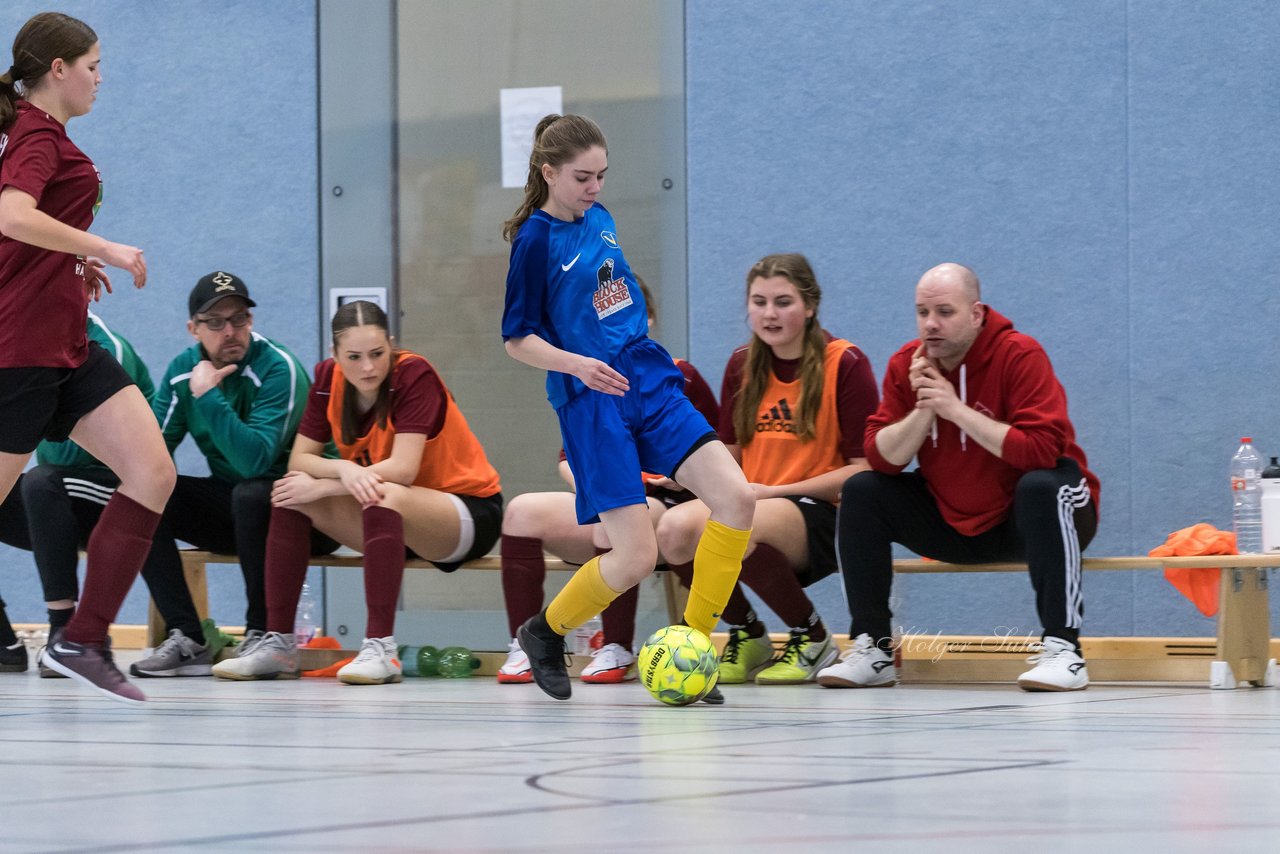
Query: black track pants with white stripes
point(62, 507)
point(1052, 520)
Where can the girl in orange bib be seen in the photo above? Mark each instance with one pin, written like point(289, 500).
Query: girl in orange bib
point(794, 404)
point(411, 478)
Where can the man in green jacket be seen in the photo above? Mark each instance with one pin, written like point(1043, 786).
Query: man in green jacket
point(240, 396)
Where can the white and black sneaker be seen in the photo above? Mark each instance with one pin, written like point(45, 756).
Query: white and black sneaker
point(863, 665)
point(1058, 667)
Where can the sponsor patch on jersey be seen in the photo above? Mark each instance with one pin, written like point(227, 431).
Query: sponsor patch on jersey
point(610, 239)
point(776, 419)
point(611, 294)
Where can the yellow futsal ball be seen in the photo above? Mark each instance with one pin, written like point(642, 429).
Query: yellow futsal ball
point(678, 665)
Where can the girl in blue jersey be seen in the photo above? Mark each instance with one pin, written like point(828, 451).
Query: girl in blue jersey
point(573, 309)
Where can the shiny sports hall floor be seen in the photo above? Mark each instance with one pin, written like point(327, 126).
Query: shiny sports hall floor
point(469, 765)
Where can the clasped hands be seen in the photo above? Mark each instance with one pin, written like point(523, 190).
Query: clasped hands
point(934, 393)
point(297, 488)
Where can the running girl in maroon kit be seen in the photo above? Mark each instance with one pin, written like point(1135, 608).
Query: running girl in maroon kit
point(54, 383)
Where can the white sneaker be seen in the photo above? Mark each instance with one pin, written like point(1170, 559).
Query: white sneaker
point(275, 656)
point(252, 638)
point(1058, 667)
point(863, 665)
point(375, 665)
point(516, 670)
point(610, 664)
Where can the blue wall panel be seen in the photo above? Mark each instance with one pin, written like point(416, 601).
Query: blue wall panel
point(1205, 171)
point(205, 130)
point(1107, 168)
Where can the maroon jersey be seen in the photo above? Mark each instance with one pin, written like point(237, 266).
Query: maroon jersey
point(43, 302)
point(699, 393)
point(417, 402)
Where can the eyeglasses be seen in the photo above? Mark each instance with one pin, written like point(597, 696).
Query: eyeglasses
point(217, 324)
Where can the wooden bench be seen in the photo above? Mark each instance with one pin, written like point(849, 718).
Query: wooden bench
point(194, 565)
point(1242, 652)
point(1244, 614)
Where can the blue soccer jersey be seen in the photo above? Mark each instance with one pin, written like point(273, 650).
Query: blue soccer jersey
point(570, 285)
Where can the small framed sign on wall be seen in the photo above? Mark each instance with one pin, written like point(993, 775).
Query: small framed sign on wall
point(339, 297)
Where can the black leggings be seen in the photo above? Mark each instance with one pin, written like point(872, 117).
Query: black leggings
point(1050, 523)
point(222, 517)
point(51, 512)
point(49, 502)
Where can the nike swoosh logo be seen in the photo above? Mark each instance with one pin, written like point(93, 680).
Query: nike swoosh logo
point(569, 266)
point(62, 650)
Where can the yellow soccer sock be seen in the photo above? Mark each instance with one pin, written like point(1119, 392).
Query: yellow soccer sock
point(716, 565)
point(582, 598)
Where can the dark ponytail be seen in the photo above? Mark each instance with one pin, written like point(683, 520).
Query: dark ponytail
point(44, 38)
point(350, 315)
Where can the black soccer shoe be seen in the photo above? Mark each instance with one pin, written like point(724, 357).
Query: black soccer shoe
point(13, 659)
point(713, 697)
point(545, 649)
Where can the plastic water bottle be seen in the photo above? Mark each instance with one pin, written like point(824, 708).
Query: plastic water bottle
point(457, 662)
point(588, 637)
point(1271, 507)
point(1246, 495)
point(304, 621)
point(420, 660)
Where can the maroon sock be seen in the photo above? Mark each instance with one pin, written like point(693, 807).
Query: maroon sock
point(524, 569)
point(767, 572)
point(117, 547)
point(383, 568)
point(619, 619)
point(288, 554)
point(737, 611)
point(682, 571)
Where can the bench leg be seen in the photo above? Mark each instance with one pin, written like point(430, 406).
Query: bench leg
point(155, 625)
point(197, 583)
point(1244, 630)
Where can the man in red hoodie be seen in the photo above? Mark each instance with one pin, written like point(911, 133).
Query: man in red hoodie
point(1000, 478)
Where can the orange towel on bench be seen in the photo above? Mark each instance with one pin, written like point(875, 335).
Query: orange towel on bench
point(1198, 585)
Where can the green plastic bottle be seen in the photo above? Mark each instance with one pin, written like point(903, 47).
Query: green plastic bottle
point(457, 662)
point(420, 660)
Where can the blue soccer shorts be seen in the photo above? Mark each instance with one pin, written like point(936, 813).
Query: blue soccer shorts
point(610, 440)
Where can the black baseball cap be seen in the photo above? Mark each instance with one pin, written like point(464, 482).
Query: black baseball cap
point(216, 286)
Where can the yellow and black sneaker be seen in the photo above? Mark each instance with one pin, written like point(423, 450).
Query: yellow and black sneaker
point(800, 661)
